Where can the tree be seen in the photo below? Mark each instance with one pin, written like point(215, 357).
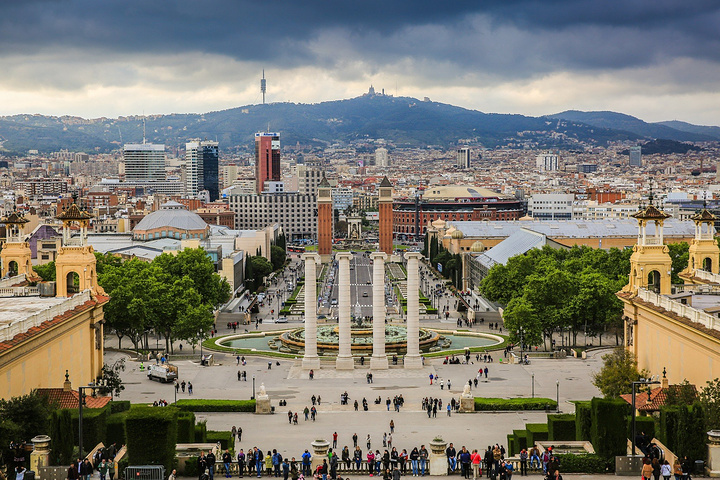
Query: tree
point(680, 255)
point(521, 314)
point(617, 374)
point(22, 418)
point(110, 381)
point(710, 401)
point(277, 257)
point(62, 438)
point(46, 271)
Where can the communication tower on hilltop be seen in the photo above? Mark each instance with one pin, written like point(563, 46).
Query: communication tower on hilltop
point(263, 86)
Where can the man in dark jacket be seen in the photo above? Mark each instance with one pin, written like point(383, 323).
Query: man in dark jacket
point(464, 457)
point(451, 453)
point(210, 459)
point(488, 459)
point(227, 460)
point(202, 465)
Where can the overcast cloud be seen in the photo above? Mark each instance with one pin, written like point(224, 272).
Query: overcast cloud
point(656, 59)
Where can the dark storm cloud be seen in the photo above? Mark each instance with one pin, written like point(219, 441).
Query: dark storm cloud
point(512, 36)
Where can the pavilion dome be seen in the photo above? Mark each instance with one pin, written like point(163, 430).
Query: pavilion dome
point(478, 246)
point(458, 235)
point(171, 220)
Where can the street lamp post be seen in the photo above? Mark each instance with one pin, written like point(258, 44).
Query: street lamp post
point(201, 347)
point(533, 385)
point(253, 395)
point(643, 381)
point(557, 395)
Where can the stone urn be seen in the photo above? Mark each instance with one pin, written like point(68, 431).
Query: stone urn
point(713, 465)
point(320, 448)
point(40, 457)
point(438, 445)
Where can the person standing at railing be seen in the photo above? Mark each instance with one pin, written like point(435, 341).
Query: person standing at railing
point(523, 462)
point(476, 459)
point(423, 459)
point(414, 457)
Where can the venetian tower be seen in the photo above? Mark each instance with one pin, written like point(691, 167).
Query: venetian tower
point(385, 206)
point(704, 251)
point(16, 257)
point(75, 256)
point(650, 263)
point(325, 220)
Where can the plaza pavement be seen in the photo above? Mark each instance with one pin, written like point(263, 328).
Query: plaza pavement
point(412, 425)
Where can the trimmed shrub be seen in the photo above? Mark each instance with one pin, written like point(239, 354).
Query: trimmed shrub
point(691, 433)
point(512, 449)
point(122, 465)
point(94, 426)
point(200, 405)
point(583, 420)
point(521, 439)
point(642, 424)
point(609, 432)
point(61, 434)
point(225, 439)
point(669, 425)
point(561, 427)
point(151, 436)
point(201, 432)
point(116, 429)
point(499, 404)
point(570, 463)
point(118, 406)
point(186, 427)
point(536, 432)
point(191, 467)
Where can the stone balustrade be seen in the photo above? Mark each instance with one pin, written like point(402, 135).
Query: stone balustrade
point(680, 309)
point(9, 331)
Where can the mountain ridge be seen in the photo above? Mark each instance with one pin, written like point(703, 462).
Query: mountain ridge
point(402, 121)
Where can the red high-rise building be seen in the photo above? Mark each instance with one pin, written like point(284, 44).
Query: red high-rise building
point(385, 209)
point(267, 159)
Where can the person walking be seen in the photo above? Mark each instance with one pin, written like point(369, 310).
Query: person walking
point(392, 426)
point(335, 437)
point(368, 442)
point(355, 438)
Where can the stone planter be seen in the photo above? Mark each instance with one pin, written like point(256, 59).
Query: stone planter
point(438, 460)
point(713, 465)
point(320, 448)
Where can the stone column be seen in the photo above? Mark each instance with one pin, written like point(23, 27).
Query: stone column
point(311, 359)
point(412, 357)
point(344, 358)
point(379, 360)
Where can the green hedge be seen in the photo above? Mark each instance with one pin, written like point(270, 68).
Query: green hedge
point(201, 432)
point(191, 467)
point(225, 439)
point(536, 432)
point(216, 405)
point(152, 435)
point(498, 404)
point(609, 431)
point(570, 463)
point(118, 406)
point(561, 427)
point(116, 429)
point(681, 429)
point(94, 426)
point(61, 435)
point(583, 420)
point(521, 439)
point(642, 424)
point(512, 449)
point(186, 427)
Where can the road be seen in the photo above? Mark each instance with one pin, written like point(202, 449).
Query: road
point(360, 285)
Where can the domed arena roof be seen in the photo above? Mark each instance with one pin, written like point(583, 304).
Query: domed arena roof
point(171, 215)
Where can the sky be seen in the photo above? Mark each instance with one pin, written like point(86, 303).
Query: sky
point(654, 59)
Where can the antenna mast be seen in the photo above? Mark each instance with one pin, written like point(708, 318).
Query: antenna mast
point(144, 129)
point(263, 86)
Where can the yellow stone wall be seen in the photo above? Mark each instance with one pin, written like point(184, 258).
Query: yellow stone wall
point(41, 361)
point(660, 341)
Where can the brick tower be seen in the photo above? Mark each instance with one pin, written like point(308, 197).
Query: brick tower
point(385, 205)
point(325, 220)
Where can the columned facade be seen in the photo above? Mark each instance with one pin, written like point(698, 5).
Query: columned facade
point(412, 357)
point(311, 360)
point(379, 360)
point(344, 359)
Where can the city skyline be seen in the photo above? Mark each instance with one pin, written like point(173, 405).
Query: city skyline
point(654, 60)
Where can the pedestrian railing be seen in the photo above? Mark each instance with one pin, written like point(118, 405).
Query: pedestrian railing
point(145, 472)
point(343, 467)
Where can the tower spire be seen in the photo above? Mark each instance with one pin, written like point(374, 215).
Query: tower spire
point(263, 86)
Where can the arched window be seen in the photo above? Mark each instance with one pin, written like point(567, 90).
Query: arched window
point(654, 281)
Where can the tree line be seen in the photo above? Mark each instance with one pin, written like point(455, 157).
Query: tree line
point(572, 289)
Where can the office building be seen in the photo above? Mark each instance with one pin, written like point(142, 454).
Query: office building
point(144, 162)
point(587, 167)
point(463, 158)
point(201, 168)
point(546, 162)
point(551, 206)
point(636, 156)
point(294, 212)
point(342, 198)
point(309, 178)
point(267, 159)
point(381, 157)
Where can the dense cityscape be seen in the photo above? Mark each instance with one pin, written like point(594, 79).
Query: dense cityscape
point(318, 256)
